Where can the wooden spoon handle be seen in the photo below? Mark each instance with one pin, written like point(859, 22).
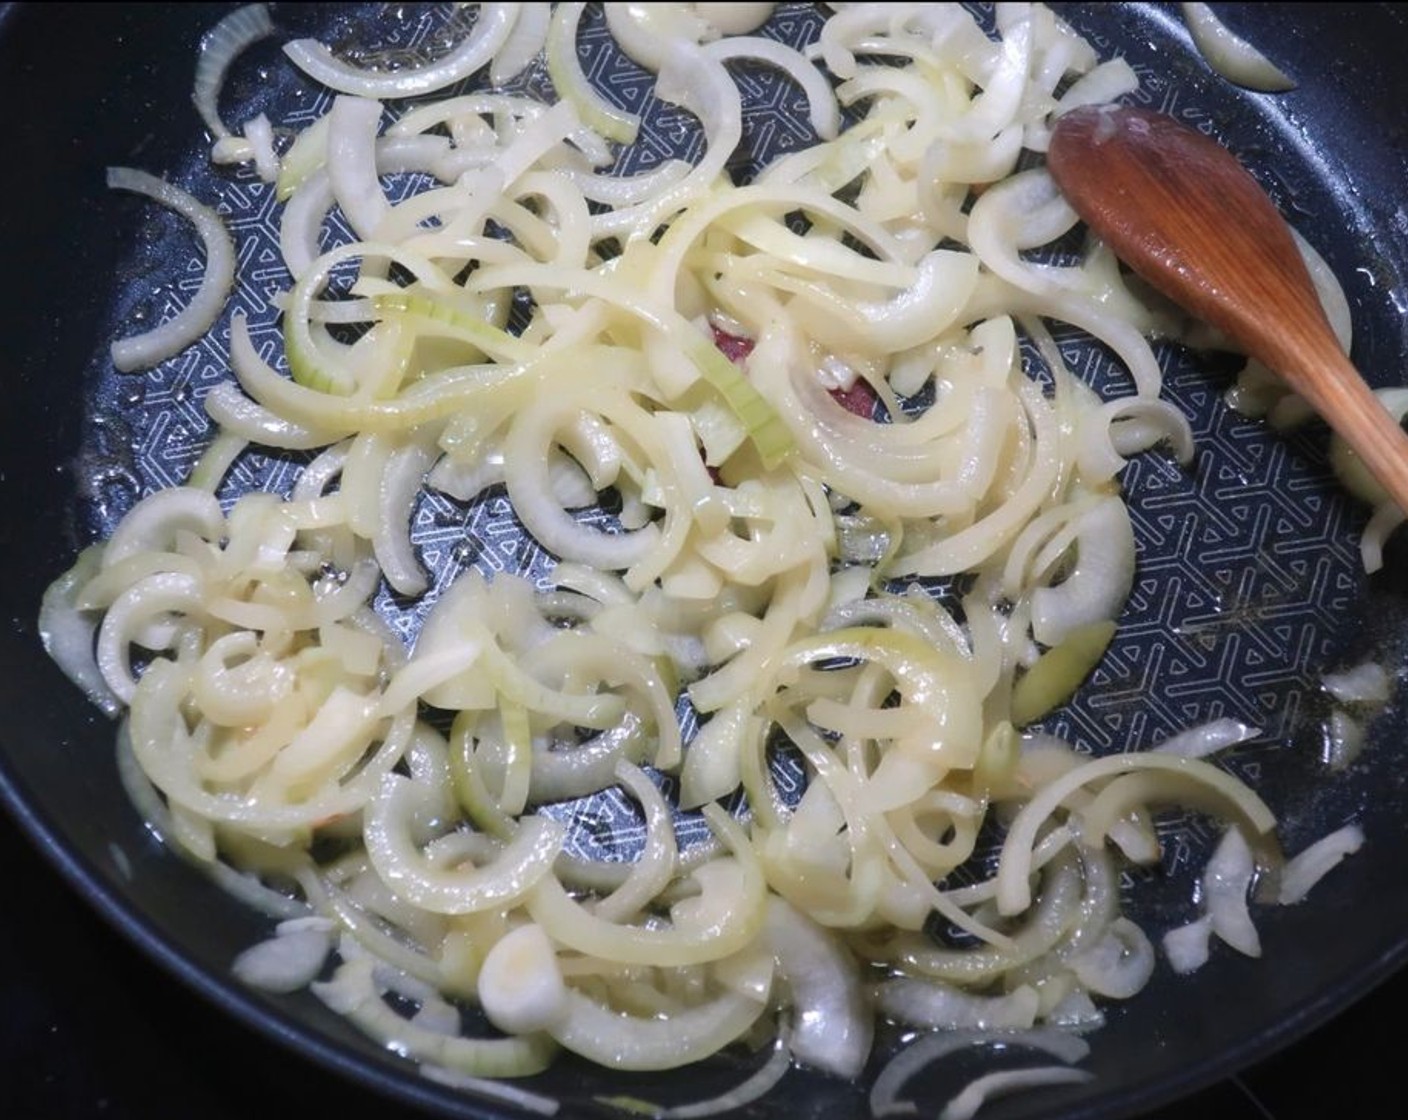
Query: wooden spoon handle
point(1349, 406)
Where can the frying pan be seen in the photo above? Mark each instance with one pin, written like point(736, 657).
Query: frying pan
point(1248, 588)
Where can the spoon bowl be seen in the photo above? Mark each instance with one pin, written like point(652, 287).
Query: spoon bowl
point(1183, 213)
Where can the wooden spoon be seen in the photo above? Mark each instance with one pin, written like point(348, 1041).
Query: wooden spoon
point(1180, 210)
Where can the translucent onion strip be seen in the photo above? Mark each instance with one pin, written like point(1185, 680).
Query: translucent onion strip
point(930, 1048)
point(1231, 55)
point(656, 864)
point(142, 351)
point(645, 1043)
point(821, 100)
point(572, 84)
point(1014, 892)
point(977, 1092)
point(524, 43)
point(218, 49)
point(491, 30)
point(1309, 866)
point(727, 915)
point(834, 1023)
point(353, 992)
point(459, 890)
point(755, 1088)
point(68, 635)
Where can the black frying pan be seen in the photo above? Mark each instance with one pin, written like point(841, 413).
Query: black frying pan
point(92, 86)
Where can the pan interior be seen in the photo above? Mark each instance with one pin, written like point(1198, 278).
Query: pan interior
point(1249, 585)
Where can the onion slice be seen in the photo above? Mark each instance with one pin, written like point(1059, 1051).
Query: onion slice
point(755, 1087)
point(1231, 55)
point(68, 635)
point(523, 44)
point(1366, 683)
point(834, 1021)
point(822, 109)
point(929, 1048)
point(288, 962)
point(977, 1092)
point(1187, 946)
point(218, 49)
point(573, 84)
point(490, 32)
point(1208, 738)
point(142, 351)
point(1226, 882)
point(647, 1043)
point(1305, 869)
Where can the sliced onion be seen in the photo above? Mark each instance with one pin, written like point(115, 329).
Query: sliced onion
point(1382, 522)
point(1098, 586)
point(1308, 867)
point(300, 228)
point(723, 919)
point(1344, 739)
point(734, 17)
point(573, 85)
point(503, 1091)
point(821, 98)
point(68, 635)
point(643, 32)
point(1106, 83)
point(218, 49)
point(1119, 964)
point(1187, 947)
point(457, 891)
point(591, 766)
point(758, 1085)
point(1077, 1012)
point(711, 764)
point(936, 1005)
point(153, 523)
point(530, 437)
point(929, 1048)
point(701, 85)
point(1056, 675)
point(655, 1042)
point(834, 1024)
point(524, 43)
point(352, 163)
point(1231, 55)
point(151, 599)
point(1208, 738)
point(655, 866)
point(286, 963)
point(1013, 889)
point(520, 984)
point(976, 1093)
point(260, 134)
point(235, 412)
point(352, 992)
point(1226, 881)
point(1057, 908)
point(490, 32)
point(1110, 434)
point(1368, 683)
point(400, 486)
point(142, 351)
point(630, 190)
